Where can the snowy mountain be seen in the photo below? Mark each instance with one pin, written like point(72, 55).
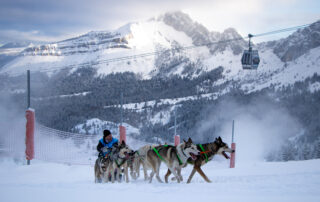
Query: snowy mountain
point(201, 35)
point(22, 44)
point(96, 126)
point(77, 83)
point(172, 31)
point(299, 43)
point(10, 51)
point(94, 48)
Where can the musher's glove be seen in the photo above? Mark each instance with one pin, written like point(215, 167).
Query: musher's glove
point(105, 149)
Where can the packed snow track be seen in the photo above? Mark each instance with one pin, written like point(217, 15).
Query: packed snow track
point(259, 181)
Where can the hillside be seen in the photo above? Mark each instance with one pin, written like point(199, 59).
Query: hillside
point(74, 81)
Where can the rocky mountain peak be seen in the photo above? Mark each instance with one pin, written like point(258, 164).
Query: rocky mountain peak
point(177, 19)
point(182, 22)
point(231, 33)
point(298, 43)
point(200, 34)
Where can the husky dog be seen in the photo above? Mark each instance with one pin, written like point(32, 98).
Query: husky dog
point(103, 164)
point(100, 169)
point(119, 162)
point(208, 150)
point(131, 164)
point(174, 157)
point(140, 159)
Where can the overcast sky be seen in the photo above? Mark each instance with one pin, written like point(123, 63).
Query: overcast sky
point(52, 20)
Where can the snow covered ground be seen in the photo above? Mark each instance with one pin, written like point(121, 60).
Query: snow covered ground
point(255, 181)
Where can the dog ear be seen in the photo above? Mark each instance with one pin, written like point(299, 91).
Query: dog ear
point(219, 140)
point(189, 140)
point(184, 141)
point(123, 143)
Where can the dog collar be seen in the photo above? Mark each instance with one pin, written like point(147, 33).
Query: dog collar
point(180, 161)
point(183, 153)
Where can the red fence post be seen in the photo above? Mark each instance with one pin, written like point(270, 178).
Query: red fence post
point(233, 146)
point(30, 116)
point(123, 136)
point(176, 140)
point(233, 156)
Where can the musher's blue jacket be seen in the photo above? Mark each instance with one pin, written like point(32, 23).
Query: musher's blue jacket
point(103, 144)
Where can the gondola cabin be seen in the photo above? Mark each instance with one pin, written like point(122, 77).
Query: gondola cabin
point(250, 58)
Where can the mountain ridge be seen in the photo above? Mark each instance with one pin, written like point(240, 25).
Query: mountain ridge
point(167, 32)
point(196, 83)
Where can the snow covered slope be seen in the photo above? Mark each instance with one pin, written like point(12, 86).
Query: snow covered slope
point(250, 182)
point(271, 71)
point(96, 126)
point(283, 62)
point(95, 47)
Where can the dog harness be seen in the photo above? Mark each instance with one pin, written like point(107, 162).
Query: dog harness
point(157, 152)
point(119, 165)
point(180, 162)
point(203, 152)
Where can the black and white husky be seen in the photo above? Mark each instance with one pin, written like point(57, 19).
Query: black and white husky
point(208, 151)
point(175, 157)
point(113, 164)
point(139, 160)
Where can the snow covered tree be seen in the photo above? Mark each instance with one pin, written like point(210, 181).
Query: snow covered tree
point(317, 148)
point(306, 151)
